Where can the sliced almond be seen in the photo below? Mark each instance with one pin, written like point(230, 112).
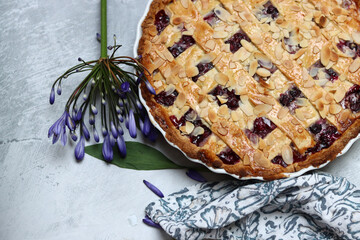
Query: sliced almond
point(247, 109)
point(316, 50)
point(325, 55)
point(279, 52)
point(339, 94)
point(169, 89)
point(189, 127)
point(287, 154)
point(223, 110)
point(198, 131)
point(220, 34)
point(263, 72)
point(212, 115)
point(267, 99)
point(295, 8)
point(184, 3)
point(262, 109)
point(257, 38)
point(282, 112)
point(355, 65)
point(253, 67)
point(333, 56)
point(246, 160)
point(244, 54)
point(356, 37)
point(343, 116)
point(235, 116)
point(218, 58)
point(309, 84)
point(192, 71)
point(304, 43)
point(221, 78)
point(335, 108)
point(222, 131)
point(248, 46)
point(180, 100)
point(210, 44)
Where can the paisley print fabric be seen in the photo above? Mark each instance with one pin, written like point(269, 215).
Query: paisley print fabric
point(314, 206)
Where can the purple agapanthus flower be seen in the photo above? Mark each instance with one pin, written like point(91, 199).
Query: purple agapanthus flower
point(125, 87)
point(107, 150)
point(80, 149)
point(132, 124)
point(58, 129)
point(121, 145)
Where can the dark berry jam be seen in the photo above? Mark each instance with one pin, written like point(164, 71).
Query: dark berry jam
point(346, 4)
point(161, 21)
point(352, 99)
point(177, 122)
point(165, 98)
point(279, 160)
point(179, 47)
point(325, 135)
point(270, 10)
point(251, 136)
point(228, 156)
point(235, 40)
point(348, 47)
point(330, 74)
point(211, 18)
point(262, 127)
point(290, 46)
point(203, 68)
point(199, 139)
point(232, 98)
point(287, 99)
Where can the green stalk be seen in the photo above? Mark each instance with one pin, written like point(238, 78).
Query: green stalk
point(103, 30)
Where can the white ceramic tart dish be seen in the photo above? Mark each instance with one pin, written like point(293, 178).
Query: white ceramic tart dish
point(254, 89)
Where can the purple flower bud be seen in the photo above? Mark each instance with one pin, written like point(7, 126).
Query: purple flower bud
point(113, 130)
point(195, 175)
point(80, 149)
point(153, 189)
point(149, 87)
point(96, 135)
point(58, 90)
point(78, 115)
point(85, 131)
point(117, 109)
point(139, 105)
point(120, 117)
point(93, 109)
point(147, 126)
point(107, 149)
point(127, 122)
point(112, 140)
point(153, 134)
point(104, 132)
point(85, 97)
point(52, 96)
point(80, 59)
point(103, 102)
point(150, 223)
point(92, 119)
point(70, 123)
point(132, 124)
point(125, 87)
point(121, 145)
point(74, 137)
point(110, 47)
point(98, 37)
point(120, 130)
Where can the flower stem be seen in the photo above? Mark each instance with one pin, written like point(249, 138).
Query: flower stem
point(103, 30)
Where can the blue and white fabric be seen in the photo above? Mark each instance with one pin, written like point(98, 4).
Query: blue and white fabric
point(315, 206)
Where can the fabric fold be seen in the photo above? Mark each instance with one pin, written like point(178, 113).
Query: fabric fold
point(313, 206)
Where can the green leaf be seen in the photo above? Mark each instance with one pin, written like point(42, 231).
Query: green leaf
point(139, 157)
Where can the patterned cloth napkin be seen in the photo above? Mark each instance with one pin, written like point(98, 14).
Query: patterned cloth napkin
point(314, 206)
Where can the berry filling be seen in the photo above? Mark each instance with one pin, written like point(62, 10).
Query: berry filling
point(211, 18)
point(346, 4)
point(232, 98)
point(228, 156)
point(352, 99)
point(165, 98)
point(325, 135)
point(235, 40)
point(161, 21)
point(268, 11)
point(288, 98)
point(262, 127)
point(318, 71)
point(199, 139)
point(203, 68)
point(179, 47)
point(349, 48)
point(189, 116)
point(291, 45)
point(279, 160)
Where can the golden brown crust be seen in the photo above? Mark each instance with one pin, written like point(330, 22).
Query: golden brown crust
point(254, 159)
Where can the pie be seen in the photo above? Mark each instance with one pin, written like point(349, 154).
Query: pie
point(257, 88)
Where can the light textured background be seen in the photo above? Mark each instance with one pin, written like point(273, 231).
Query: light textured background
point(44, 192)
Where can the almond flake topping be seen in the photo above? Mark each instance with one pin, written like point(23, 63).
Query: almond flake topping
point(355, 65)
point(184, 3)
point(198, 131)
point(263, 72)
point(287, 154)
point(262, 109)
point(221, 78)
point(210, 44)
